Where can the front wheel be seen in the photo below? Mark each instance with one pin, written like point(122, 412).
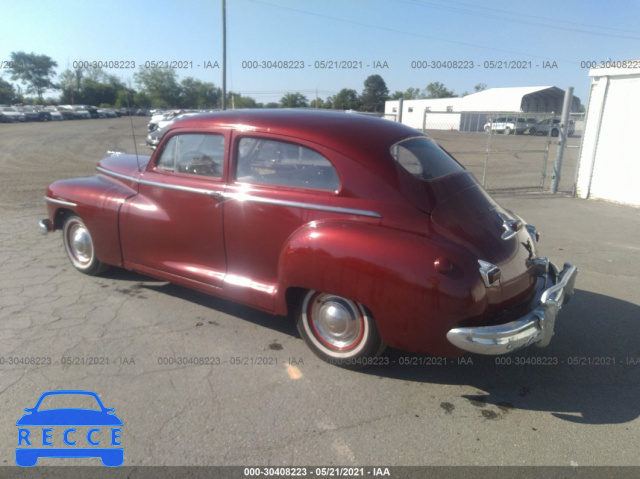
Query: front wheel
point(79, 247)
point(338, 330)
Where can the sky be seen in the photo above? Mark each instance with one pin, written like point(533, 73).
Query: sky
point(318, 47)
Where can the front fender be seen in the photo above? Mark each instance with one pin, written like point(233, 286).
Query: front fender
point(97, 200)
point(392, 273)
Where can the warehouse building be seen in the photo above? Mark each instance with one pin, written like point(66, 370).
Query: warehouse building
point(470, 113)
point(608, 167)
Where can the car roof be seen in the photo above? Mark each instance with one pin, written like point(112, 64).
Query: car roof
point(360, 137)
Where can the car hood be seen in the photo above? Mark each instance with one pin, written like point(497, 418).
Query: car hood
point(124, 164)
point(69, 417)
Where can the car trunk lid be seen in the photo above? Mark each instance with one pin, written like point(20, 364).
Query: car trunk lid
point(466, 214)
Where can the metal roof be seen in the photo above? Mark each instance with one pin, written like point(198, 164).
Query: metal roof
point(514, 99)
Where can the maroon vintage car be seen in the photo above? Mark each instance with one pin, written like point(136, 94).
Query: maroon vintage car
point(364, 229)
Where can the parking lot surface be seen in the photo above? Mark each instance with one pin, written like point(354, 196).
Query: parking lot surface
point(201, 381)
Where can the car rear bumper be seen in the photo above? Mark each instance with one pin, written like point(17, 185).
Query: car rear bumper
point(536, 327)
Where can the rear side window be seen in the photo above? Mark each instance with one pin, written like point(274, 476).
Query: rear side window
point(286, 164)
point(424, 159)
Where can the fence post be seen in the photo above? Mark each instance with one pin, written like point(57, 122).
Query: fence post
point(486, 156)
point(562, 138)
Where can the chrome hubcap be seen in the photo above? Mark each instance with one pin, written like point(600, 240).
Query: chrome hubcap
point(80, 244)
point(337, 322)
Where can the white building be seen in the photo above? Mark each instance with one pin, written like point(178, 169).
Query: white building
point(609, 165)
point(468, 113)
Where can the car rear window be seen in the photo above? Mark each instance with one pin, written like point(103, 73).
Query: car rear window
point(424, 159)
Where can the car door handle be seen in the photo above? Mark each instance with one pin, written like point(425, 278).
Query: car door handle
point(219, 196)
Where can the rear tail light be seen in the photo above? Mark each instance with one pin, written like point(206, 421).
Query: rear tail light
point(490, 273)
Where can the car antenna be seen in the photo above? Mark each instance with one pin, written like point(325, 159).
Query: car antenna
point(133, 133)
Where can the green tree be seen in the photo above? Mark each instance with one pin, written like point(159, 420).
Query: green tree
point(237, 102)
point(34, 71)
point(317, 103)
point(198, 94)
point(438, 90)
point(7, 92)
point(480, 87)
point(374, 95)
point(95, 93)
point(409, 94)
point(346, 99)
point(294, 100)
point(159, 85)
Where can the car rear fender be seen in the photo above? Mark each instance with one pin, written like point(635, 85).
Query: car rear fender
point(392, 273)
point(97, 200)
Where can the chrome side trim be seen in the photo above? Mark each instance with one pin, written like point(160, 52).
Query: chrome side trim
point(117, 175)
point(187, 189)
point(306, 206)
point(60, 202)
point(243, 197)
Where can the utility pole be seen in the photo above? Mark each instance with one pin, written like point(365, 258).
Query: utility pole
point(562, 138)
point(224, 54)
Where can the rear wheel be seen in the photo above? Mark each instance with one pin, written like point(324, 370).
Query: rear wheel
point(338, 330)
point(79, 247)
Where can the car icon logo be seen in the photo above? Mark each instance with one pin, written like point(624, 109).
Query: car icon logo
point(69, 432)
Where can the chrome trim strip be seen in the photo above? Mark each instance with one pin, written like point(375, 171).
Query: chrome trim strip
point(60, 202)
point(187, 189)
point(117, 175)
point(306, 206)
point(242, 197)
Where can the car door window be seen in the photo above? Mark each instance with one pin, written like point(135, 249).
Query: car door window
point(286, 164)
point(196, 154)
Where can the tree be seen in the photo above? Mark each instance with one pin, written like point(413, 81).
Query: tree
point(198, 94)
point(7, 92)
point(409, 94)
point(35, 71)
point(480, 87)
point(160, 85)
point(96, 93)
point(438, 90)
point(294, 100)
point(237, 101)
point(346, 99)
point(374, 95)
point(317, 103)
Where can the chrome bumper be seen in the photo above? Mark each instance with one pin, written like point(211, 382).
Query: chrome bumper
point(554, 289)
point(44, 226)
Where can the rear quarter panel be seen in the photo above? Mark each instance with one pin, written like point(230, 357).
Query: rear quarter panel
point(391, 272)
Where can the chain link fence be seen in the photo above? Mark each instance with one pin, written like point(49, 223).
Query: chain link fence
point(509, 151)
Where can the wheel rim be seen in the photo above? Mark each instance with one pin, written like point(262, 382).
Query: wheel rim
point(337, 322)
point(79, 244)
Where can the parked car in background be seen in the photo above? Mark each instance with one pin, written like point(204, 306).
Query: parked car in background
point(363, 230)
point(9, 114)
point(154, 136)
point(507, 125)
point(551, 126)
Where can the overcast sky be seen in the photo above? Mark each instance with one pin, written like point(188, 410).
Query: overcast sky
point(400, 37)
